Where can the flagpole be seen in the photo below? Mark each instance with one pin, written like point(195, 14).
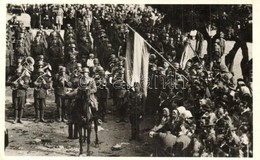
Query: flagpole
point(197, 56)
point(155, 50)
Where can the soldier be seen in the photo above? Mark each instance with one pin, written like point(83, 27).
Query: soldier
point(88, 83)
point(56, 55)
point(37, 48)
point(60, 84)
point(119, 95)
point(72, 65)
point(136, 102)
point(41, 84)
point(102, 94)
point(19, 84)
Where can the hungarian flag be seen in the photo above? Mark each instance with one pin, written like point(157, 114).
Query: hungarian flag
point(137, 60)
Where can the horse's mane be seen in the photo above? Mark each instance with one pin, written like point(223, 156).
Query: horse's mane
point(83, 107)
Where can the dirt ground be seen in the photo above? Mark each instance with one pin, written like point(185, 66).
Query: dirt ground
point(51, 139)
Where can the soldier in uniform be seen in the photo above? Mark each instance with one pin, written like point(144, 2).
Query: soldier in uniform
point(102, 94)
point(72, 65)
point(37, 48)
point(41, 84)
point(56, 55)
point(19, 83)
point(88, 83)
point(60, 84)
point(136, 102)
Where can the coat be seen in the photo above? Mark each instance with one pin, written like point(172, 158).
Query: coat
point(59, 86)
point(19, 90)
point(40, 89)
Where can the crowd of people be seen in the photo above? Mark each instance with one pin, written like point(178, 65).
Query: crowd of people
point(199, 109)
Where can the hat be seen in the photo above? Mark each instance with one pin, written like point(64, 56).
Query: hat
point(73, 46)
point(99, 68)
point(181, 110)
point(40, 57)
point(160, 69)
point(85, 70)
point(167, 110)
point(62, 69)
point(79, 65)
point(19, 60)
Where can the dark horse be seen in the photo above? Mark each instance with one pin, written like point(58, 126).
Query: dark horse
point(82, 116)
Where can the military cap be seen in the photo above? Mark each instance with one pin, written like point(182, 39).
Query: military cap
point(62, 69)
point(91, 55)
point(79, 65)
point(160, 69)
point(19, 60)
point(112, 56)
point(40, 57)
point(153, 56)
point(85, 70)
point(73, 46)
point(99, 68)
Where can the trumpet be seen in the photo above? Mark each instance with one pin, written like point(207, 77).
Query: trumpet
point(19, 78)
point(47, 73)
point(47, 67)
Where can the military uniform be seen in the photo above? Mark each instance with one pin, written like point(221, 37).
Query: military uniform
point(19, 84)
point(136, 102)
point(60, 84)
point(56, 56)
point(102, 96)
point(41, 84)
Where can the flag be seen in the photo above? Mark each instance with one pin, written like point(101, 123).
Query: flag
point(187, 54)
point(137, 60)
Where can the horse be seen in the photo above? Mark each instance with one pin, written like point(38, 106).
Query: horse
point(82, 116)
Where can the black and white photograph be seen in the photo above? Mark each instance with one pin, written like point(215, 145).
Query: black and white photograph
point(128, 80)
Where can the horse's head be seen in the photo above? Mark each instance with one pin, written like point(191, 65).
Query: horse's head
point(84, 94)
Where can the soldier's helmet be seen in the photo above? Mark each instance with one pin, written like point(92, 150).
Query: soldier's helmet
point(62, 69)
point(85, 70)
point(40, 57)
point(79, 65)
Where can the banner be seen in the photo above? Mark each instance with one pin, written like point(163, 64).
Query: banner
point(137, 61)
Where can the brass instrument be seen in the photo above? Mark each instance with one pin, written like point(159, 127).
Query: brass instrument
point(19, 78)
point(47, 73)
point(47, 67)
point(28, 64)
